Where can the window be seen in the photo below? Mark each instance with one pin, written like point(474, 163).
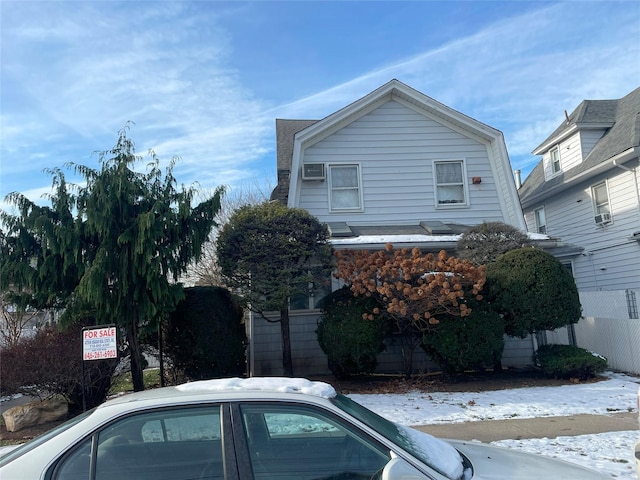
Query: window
point(294, 441)
point(450, 186)
point(601, 209)
point(555, 160)
point(541, 222)
point(175, 444)
point(319, 288)
point(344, 187)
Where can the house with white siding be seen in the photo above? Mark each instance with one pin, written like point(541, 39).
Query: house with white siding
point(585, 190)
point(395, 166)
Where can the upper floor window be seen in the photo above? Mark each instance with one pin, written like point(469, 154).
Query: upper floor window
point(345, 192)
point(450, 184)
point(555, 160)
point(601, 207)
point(541, 221)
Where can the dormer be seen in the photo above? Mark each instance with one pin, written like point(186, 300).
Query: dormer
point(573, 140)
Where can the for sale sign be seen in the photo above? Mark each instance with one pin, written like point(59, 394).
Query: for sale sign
point(99, 343)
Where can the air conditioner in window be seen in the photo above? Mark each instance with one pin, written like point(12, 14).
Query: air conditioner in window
point(602, 218)
point(313, 171)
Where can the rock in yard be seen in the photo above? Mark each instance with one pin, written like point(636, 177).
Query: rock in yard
point(35, 413)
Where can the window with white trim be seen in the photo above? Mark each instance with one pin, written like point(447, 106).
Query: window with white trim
point(344, 188)
point(601, 207)
point(541, 221)
point(450, 183)
point(555, 160)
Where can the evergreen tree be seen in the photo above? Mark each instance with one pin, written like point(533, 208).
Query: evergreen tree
point(114, 247)
point(269, 253)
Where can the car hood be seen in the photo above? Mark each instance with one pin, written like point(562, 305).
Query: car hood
point(492, 463)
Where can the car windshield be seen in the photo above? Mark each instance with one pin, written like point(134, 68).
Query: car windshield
point(25, 447)
point(436, 453)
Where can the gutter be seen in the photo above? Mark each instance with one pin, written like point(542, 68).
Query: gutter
point(623, 157)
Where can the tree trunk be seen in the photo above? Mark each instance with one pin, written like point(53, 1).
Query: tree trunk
point(409, 343)
point(136, 357)
point(287, 363)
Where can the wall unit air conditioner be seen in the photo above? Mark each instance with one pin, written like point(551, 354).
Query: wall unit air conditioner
point(313, 171)
point(602, 218)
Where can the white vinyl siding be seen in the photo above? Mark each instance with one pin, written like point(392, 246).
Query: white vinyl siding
point(395, 148)
point(588, 140)
point(611, 257)
point(564, 156)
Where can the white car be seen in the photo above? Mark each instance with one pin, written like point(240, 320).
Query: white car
point(259, 428)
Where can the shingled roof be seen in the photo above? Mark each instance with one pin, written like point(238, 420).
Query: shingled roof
point(285, 132)
point(620, 118)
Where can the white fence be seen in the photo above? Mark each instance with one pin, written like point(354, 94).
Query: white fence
point(618, 339)
point(608, 329)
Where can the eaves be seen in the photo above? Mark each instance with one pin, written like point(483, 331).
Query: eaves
point(602, 167)
point(576, 127)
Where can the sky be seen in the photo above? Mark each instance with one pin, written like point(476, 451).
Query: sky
point(205, 80)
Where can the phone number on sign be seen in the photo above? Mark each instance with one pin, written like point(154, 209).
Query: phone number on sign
point(100, 355)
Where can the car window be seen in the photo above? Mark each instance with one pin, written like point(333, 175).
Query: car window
point(170, 444)
point(292, 441)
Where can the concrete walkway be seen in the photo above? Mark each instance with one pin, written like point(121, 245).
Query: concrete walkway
point(542, 427)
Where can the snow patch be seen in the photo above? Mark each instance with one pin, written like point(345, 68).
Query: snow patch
point(261, 384)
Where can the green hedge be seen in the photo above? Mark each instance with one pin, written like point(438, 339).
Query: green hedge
point(205, 336)
point(569, 361)
point(474, 342)
point(350, 341)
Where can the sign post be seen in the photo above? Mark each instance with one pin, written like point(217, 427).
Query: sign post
point(98, 343)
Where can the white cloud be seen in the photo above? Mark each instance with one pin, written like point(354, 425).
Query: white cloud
point(78, 72)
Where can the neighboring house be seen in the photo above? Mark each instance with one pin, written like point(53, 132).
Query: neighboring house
point(393, 167)
point(585, 190)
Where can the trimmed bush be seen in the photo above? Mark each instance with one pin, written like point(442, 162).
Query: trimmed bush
point(474, 342)
point(533, 291)
point(483, 244)
point(350, 341)
point(205, 336)
point(569, 361)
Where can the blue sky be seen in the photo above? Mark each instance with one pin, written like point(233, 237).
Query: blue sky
point(205, 80)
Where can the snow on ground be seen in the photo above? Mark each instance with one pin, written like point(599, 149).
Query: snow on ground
point(610, 453)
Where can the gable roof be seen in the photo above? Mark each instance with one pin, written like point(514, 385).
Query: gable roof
point(621, 142)
point(294, 136)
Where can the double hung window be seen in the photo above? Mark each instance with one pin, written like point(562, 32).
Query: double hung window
point(541, 221)
point(450, 183)
point(600, 197)
point(555, 160)
point(601, 206)
point(345, 192)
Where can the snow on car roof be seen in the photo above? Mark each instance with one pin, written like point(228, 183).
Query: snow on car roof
point(262, 384)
